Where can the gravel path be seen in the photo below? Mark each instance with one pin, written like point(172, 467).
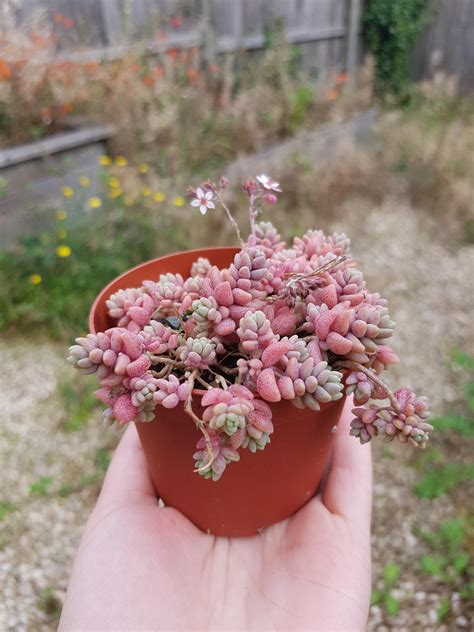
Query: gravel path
point(431, 296)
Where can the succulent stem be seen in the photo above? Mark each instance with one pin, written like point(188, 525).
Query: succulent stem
point(188, 409)
point(355, 366)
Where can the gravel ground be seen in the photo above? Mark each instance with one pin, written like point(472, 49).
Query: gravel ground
point(429, 286)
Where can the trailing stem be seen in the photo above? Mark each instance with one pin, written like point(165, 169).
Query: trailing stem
point(355, 366)
point(188, 409)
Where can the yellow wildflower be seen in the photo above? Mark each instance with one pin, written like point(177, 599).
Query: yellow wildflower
point(105, 161)
point(114, 182)
point(61, 214)
point(146, 191)
point(115, 193)
point(84, 181)
point(61, 233)
point(35, 279)
point(68, 192)
point(143, 167)
point(159, 196)
point(128, 200)
point(179, 200)
point(94, 202)
point(121, 161)
point(63, 251)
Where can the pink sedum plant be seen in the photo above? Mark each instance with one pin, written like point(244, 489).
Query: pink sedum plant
point(280, 323)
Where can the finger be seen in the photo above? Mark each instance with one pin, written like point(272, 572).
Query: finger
point(127, 477)
point(348, 487)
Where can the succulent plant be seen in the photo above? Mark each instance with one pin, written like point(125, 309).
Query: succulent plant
point(295, 324)
point(198, 353)
point(403, 419)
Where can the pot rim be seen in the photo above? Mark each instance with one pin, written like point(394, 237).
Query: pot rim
point(107, 289)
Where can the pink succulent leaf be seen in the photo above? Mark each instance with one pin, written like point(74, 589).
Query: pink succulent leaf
point(124, 410)
point(139, 366)
point(267, 386)
point(406, 421)
point(274, 352)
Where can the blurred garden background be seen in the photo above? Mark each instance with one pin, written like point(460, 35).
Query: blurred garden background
point(109, 110)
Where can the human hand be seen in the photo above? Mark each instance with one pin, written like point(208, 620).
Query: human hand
point(141, 567)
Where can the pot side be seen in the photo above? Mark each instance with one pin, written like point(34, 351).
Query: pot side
point(259, 490)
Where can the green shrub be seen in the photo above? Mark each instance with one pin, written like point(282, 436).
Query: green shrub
point(391, 30)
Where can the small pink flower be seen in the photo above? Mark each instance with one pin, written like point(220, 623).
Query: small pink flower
point(270, 198)
point(203, 200)
point(268, 183)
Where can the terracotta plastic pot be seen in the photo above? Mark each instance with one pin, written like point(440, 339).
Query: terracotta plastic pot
point(262, 488)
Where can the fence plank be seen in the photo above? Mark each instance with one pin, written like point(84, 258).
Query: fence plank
point(112, 24)
point(353, 37)
point(447, 44)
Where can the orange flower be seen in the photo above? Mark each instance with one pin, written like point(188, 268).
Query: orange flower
point(332, 95)
point(149, 80)
point(192, 73)
point(341, 78)
point(58, 18)
point(173, 53)
point(91, 67)
point(68, 23)
point(176, 22)
point(159, 71)
point(5, 70)
point(66, 108)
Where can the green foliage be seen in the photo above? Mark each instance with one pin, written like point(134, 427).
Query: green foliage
point(439, 477)
point(460, 424)
point(6, 507)
point(384, 597)
point(41, 487)
point(391, 30)
point(65, 490)
point(437, 480)
point(77, 403)
point(103, 245)
point(49, 603)
point(444, 609)
point(301, 100)
point(450, 561)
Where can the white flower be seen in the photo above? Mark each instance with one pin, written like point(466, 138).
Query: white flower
point(203, 200)
point(268, 183)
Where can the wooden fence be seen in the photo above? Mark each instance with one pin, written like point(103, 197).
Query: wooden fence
point(327, 31)
point(448, 44)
